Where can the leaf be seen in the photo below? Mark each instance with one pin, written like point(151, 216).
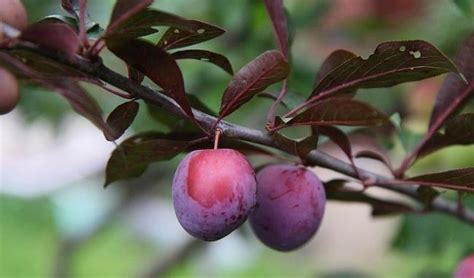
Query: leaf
point(380, 207)
point(455, 91)
point(206, 56)
point(174, 122)
point(124, 9)
point(427, 194)
point(339, 111)
point(179, 37)
point(70, 6)
point(53, 36)
point(374, 155)
point(80, 101)
point(392, 63)
point(459, 179)
point(458, 131)
point(132, 157)
point(159, 66)
point(121, 118)
point(135, 75)
point(94, 31)
point(301, 147)
point(268, 68)
point(141, 23)
point(332, 62)
point(73, 7)
point(338, 137)
point(276, 11)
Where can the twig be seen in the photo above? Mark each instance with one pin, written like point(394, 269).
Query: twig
point(161, 265)
point(230, 130)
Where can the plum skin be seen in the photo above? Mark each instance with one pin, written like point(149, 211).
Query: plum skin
point(465, 268)
point(213, 191)
point(290, 206)
point(9, 91)
point(13, 13)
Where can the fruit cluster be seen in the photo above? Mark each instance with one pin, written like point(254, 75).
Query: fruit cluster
point(215, 191)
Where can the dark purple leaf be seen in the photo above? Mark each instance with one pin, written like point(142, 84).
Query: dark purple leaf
point(206, 56)
point(301, 147)
point(124, 9)
point(338, 137)
point(380, 207)
point(173, 122)
point(132, 156)
point(455, 91)
point(339, 111)
point(54, 36)
point(121, 118)
point(427, 194)
point(157, 65)
point(135, 75)
point(458, 131)
point(73, 7)
point(141, 23)
point(80, 101)
point(374, 155)
point(459, 179)
point(392, 63)
point(199, 32)
point(332, 62)
point(70, 6)
point(268, 68)
point(276, 11)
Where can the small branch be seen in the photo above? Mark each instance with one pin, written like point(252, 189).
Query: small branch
point(281, 95)
point(162, 265)
point(216, 139)
point(230, 130)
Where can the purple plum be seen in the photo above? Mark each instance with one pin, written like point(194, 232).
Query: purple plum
point(214, 191)
point(466, 268)
point(290, 206)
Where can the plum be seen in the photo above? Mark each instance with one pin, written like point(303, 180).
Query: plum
point(214, 191)
point(466, 268)
point(9, 94)
point(290, 206)
point(13, 13)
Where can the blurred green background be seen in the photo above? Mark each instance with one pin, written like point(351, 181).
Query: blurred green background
point(57, 220)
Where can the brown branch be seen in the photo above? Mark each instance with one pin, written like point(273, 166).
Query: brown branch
point(162, 265)
point(230, 130)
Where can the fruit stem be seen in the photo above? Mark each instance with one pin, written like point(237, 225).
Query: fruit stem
point(216, 138)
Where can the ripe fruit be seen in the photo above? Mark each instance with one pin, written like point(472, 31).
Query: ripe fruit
point(290, 206)
point(466, 268)
point(213, 192)
point(13, 13)
point(9, 94)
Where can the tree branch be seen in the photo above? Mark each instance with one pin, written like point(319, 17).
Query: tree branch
point(230, 130)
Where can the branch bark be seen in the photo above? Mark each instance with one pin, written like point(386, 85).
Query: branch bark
point(316, 157)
